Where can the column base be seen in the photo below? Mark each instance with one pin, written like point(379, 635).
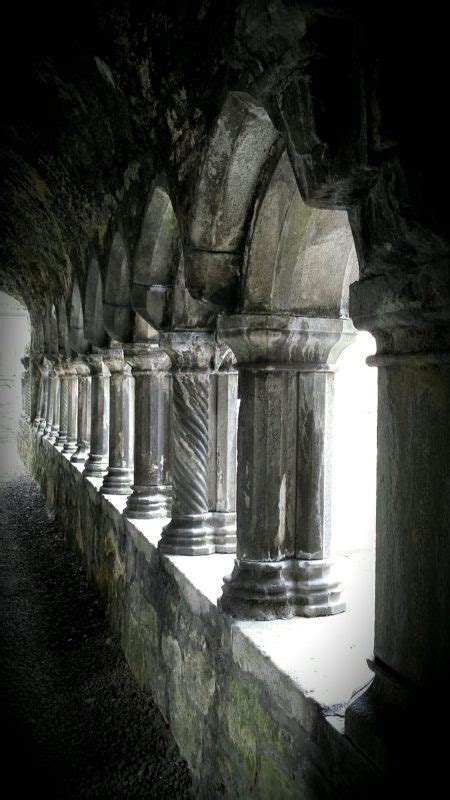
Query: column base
point(149, 502)
point(391, 720)
point(70, 446)
point(53, 435)
point(80, 455)
point(266, 590)
point(61, 439)
point(118, 480)
point(224, 531)
point(96, 466)
point(189, 535)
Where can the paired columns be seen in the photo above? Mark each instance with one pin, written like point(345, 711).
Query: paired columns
point(286, 370)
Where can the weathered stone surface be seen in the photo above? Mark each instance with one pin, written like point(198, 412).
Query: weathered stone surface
point(284, 440)
point(97, 461)
point(83, 411)
point(190, 531)
point(119, 477)
point(70, 445)
point(243, 725)
point(152, 491)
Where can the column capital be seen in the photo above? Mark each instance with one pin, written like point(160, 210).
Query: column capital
point(81, 366)
point(190, 351)
point(277, 341)
point(407, 312)
point(114, 360)
point(97, 365)
point(146, 357)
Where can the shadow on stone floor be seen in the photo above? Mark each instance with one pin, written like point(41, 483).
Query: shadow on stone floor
point(76, 723)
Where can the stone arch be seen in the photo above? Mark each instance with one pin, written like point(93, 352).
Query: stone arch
point(117, 313)
point(158, 261)
point(243, 142)
point(299, 259)
point(76, 327)
point(94, 330)
point(63, 328)
point(51, 331)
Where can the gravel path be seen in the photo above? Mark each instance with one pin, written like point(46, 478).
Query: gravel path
point(76, 724)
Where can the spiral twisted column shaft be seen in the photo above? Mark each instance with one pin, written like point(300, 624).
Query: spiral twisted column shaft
point(70, 444)
point(63, 404)
point(50, 404)
point(190, 531)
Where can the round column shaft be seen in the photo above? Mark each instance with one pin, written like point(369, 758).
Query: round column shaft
point(53, 435)
point(51, 394)
point(224, 471)
point(152, 492)
point(43, 395)
point(97, 462)
point(83, 411)
point(191, 530)
point(119, 477)
point(283, 567)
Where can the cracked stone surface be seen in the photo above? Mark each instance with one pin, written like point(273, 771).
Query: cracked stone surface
point(73, 716)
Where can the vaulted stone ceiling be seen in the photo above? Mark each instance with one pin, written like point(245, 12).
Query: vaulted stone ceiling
point(127, 91)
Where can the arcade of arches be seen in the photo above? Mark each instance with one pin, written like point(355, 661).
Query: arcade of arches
point(197, 238)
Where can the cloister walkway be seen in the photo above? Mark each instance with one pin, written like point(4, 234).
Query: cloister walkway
point(76, 724)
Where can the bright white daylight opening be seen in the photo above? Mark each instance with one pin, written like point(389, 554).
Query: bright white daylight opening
point(14, 340)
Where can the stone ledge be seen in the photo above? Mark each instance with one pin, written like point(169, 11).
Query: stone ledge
point(255, 707)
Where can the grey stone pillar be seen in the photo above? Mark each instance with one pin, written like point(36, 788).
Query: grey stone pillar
point(63, 404)
point(223, 471)
point(44, 368)
point(97, 462)
point(409, 317)
point(190, 531)
point(119, 477)
point(51, 396)
point(83, 411)
point(70, 444)
point(152, 491)
point(283, 565)
point(57, 372)
point(23, 385)
point(35, 387)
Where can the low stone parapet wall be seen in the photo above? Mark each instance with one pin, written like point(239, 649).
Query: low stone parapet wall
point(255, 707)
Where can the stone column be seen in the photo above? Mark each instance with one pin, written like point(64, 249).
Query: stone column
point(44, 368)
point(83, 411)
point(410, 319)
point(63, 404)
point(152, 491)
point(70, 444)
point(97, 462)
point(36, 383)
point(57, 372)
point(283, 565)
point(23, 383)
point(224, 472)
point(51, 394)
point(191, 530)
point(119, 477)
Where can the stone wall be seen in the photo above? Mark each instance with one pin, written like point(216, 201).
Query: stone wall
point(245, 728)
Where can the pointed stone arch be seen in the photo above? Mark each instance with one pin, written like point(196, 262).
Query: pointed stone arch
point(158, 261)
point(63, 327)
point(299, 259)
point(94, 330)
point(76, 323)
point(243, 142)
point(51, 331)
point(117, 312)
